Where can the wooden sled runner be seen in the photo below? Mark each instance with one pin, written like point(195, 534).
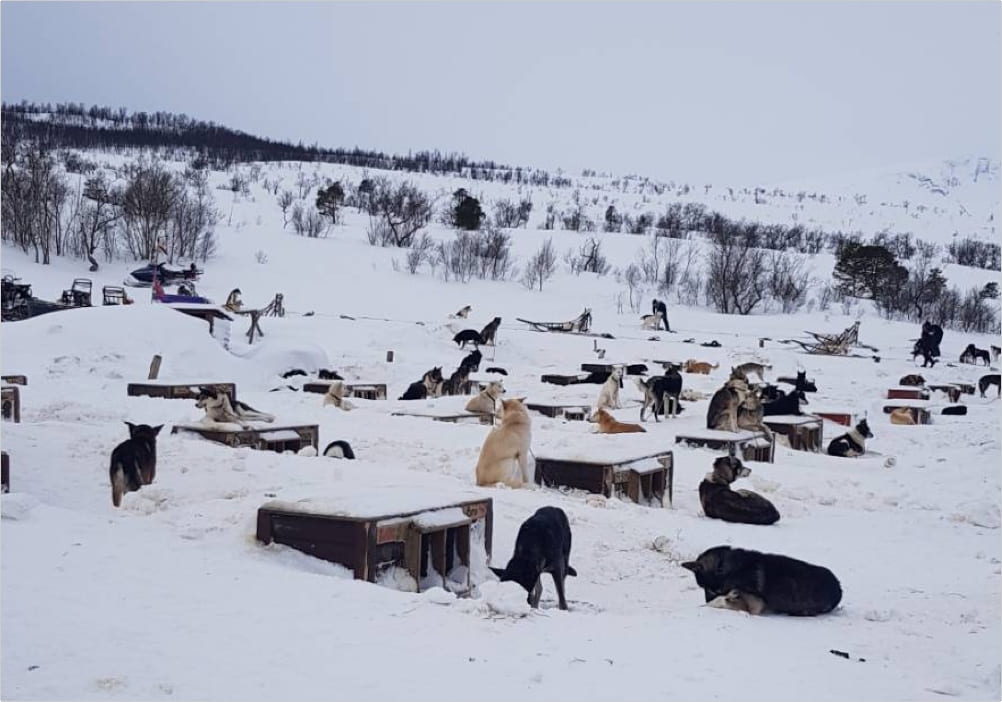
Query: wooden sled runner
point(580, 324)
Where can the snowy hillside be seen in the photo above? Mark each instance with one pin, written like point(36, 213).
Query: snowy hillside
point(171, 596)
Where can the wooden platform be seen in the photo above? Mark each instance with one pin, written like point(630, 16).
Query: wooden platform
point(4, 472)
point(563, 379)
point(10, 402)
point(643, 479)
point(919, 410)
point(173, 390)
point(804, 433)
point(14, 379)
point(748, 445)
point(574, 412)
point(368, 544)
point(907, 393)
point(367, 391)
point(628, 368)
point(449, 416)
point(953, 390)
point(838, 417)
point(263, 437)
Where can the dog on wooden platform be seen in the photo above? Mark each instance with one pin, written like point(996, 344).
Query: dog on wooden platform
point(339, 449)
point(487, 401)
point(754, 582)
point(719, 501)
point(488, 333)
point(903, 416)
point(986, 381)
point(701, 367)
point(472, 361)
point(722, 413)
point(504, 457)
point(607, 424)
point(912, 380)
point(219, 408)
point(608, 395)
point(543, 545)
point(430, 385)
point(785, 403)
point(852, 443)
point(800, 382)
point(134, 461)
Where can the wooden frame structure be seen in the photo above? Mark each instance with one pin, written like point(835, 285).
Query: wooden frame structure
point(172, 390)
point(14, 379)
point(10, 403)
point(749, 445)
point(643, 479)
point(367, 543)
point(803, 432)
point(571, 411)
point(293, 437)
point(4, 472)
point(919, 410)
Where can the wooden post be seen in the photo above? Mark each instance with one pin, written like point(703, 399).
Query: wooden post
point(255, 315)
point(389, 356)
point(155, 367)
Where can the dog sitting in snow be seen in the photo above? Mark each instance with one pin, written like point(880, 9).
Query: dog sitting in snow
point(487, 401)
point(608, 396)
point(335, 396)
point(504, 457)
point(219, 408)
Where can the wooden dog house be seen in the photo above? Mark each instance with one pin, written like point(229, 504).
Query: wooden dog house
point(431, 540)
point(919, 410)
point(4, 472)
point(263, 437)
point(176, 390)
point(14, 379)
point(748, 445)
point(574, 412)
point(907, 393)
point(803, 432)
point(366, 391)
point(10, 402)
point(643, 478)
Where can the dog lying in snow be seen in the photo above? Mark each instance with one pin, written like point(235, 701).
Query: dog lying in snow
point(607, 424)
point(335, 396)
point(219, 408)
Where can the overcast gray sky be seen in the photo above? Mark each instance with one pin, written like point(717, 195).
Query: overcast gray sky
point(704, 92)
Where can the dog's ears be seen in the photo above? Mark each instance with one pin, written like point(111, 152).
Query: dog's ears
point(692, 565)
point(156, 429)
point(500, 572)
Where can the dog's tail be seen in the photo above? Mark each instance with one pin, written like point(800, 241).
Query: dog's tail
point(715, 366)
point(117, 483)
point(571, 571)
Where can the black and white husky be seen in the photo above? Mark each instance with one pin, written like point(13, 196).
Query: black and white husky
point(219, 408)
point(430, 385)
point(134, 461)
point(852, 443)
point(543, 545)
point(754, 582)
point(719, 501)
point(339, 449)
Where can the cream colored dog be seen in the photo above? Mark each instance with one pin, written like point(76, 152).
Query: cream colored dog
point(504, 457)
point(335, 396)
point(486, 402)
point(902, 415)
point(608, 396)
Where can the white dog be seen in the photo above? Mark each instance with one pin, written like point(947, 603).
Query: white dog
point(608, 396)
point(651, 321)
point(487, 401)
point(335, 396)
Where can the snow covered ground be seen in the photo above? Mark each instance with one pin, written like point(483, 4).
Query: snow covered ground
point(171, 596)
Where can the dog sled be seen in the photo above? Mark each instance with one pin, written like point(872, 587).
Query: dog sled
point(832, 344)
point(580, 324)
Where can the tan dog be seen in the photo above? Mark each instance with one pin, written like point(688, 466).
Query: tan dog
point(607, 424)
point(335, 396)
point(702, 367)
point(504, 457)
point(486, 402)
point(902, 415)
